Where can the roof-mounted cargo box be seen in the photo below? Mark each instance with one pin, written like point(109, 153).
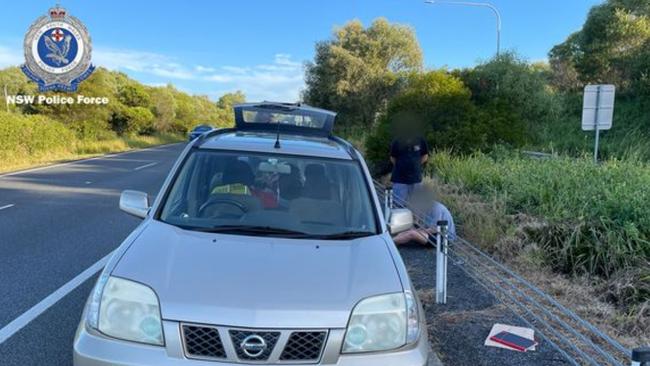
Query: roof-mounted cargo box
point(285, 118)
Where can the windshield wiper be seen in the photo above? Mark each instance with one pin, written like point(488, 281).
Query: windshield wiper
point(345, 235)
point(255, 230)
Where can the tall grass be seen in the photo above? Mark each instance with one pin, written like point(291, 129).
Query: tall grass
point(596, 217)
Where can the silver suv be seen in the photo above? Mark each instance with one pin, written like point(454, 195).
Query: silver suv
point(266, 245)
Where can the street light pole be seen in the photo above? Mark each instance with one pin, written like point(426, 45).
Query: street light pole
point(484, 5)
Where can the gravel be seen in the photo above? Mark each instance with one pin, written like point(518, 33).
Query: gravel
point(457, 330)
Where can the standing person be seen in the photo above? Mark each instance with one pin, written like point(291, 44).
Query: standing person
point(423, 202)
point(408, 153)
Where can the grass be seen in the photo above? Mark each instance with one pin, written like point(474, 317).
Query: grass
point(487, 223)
point(79, 149)
point(569, 215)
point(597, 217)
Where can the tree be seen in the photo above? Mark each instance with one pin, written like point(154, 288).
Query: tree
point(163, 106)
point(357, 71)
point(133, 94)
point(132, 120)
point(228, 100)
point(102, 83)
point(509, 86)
point(225, 104)
point(17, 84)
point(605, 47)
point(437, 105)
point(185, 116)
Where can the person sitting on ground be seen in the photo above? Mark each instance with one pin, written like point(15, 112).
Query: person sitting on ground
point(423, 203)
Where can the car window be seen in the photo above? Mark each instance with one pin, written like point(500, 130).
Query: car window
point(313, 196)
point(296, 118)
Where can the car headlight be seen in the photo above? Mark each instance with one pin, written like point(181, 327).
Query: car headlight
point(126, 310)
point(382, 323)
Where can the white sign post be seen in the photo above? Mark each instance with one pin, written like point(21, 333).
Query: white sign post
point(598, 110)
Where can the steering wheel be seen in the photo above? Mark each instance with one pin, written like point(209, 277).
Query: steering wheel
point(213, 201)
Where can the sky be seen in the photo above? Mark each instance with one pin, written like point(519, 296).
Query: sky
point(211, 47)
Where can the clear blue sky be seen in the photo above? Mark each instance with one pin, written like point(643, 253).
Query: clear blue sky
point(211, 47)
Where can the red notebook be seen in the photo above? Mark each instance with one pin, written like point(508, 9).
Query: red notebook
point(513, 341)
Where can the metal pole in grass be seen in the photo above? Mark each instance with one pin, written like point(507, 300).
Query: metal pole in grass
point(641, 356)
point(441, 262)
point(596, 128)
point(598, 111)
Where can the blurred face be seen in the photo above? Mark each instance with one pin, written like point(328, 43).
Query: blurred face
point(422, 198)
point(268, 180)
point(407, 125)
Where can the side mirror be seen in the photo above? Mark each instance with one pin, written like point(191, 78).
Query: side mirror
point(134, 203)
point(401, 219)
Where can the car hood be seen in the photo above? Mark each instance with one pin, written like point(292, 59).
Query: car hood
point(263, 282)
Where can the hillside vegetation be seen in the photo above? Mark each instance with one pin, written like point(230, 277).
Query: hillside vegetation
point(136, 116)
point(591, 220)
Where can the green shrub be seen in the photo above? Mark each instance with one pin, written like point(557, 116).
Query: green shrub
point(436, 103)
point(510, 88)
point(453, 118)
point(31, 135)
point(92, 130)
point(132, 120)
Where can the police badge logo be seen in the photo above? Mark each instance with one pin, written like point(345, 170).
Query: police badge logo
point(57, 52)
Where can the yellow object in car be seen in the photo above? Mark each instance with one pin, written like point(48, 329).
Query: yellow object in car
point(236, 188)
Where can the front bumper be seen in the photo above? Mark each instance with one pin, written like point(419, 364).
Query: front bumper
point(96, 350)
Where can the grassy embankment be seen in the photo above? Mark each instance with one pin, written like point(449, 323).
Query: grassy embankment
point(577, 229)
point(28, 141)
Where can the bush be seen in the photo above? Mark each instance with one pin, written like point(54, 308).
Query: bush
point(511, 88)
point(92, 130)
point(31, 135)
point(132, 120)
point(440, 105)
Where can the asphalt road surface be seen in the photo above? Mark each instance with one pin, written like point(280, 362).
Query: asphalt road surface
point(57, 224)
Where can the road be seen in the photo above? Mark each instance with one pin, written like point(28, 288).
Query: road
point(56, 225)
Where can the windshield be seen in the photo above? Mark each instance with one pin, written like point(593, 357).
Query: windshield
point(269, 194)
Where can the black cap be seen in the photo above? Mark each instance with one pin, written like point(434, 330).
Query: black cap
point(641, 354)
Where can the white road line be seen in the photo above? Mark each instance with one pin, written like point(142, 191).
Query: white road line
point(6, 206)
point(146, 166)
point(38, 309)
point(161, 147)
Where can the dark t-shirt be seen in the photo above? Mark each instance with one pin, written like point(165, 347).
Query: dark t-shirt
point(408, 156)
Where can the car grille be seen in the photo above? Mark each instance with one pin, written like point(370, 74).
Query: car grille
point(294, 346)
point(303, 346)
point(238, 336)
point(203, 341)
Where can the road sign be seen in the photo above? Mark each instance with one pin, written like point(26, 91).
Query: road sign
point(598, 110)
point(598, 106)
